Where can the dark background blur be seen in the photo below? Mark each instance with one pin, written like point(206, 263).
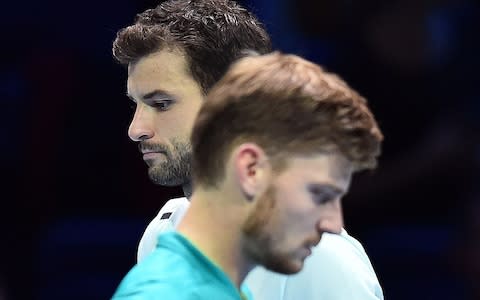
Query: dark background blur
point(75, 196)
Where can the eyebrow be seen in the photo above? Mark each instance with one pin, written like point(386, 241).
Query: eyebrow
point(328, 187)
point(150, 95)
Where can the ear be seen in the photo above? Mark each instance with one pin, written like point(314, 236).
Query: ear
point(251, 168)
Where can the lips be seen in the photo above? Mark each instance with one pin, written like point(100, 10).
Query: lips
point(146, 148)
point(312, 243)
point(152, 154)
point(315, 243)
point(149, 151)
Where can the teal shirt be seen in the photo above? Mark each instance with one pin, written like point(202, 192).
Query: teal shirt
point(177, 270)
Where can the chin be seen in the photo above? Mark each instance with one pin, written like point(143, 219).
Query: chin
point(159, 177)
point(295, 267)
point(285, 266)
point(291, 271)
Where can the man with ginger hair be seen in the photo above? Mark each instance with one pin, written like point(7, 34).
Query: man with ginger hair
point(274, 148)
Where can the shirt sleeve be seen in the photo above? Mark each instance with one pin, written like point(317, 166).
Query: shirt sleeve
point(338, 268)
point(167, 219)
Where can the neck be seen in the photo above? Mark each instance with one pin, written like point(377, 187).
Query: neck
point(187, 189)
point(213, 225)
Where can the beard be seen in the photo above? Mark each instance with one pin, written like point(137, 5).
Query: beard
point(175, 170)
point(260, 241)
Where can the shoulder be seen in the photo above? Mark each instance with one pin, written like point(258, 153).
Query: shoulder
point(341, 270)
point(163, 273)
point(167, 219)
point(340, 248)
point(210, 290)
point(148, 291)
point(152, 291)
point(172, 210)
point(170, 287)
point(264, 284)
point(338, 268)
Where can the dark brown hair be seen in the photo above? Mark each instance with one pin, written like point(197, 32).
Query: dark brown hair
point(212, 34)
point(286, 105)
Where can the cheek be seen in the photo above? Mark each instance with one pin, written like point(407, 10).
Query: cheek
point(170, 124)
point(189, 117)
point(183, 116)
point(262, 215)
point(300, 217)
point(297, 205)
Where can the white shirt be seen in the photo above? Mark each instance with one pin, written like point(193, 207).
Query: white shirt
point(338, 268)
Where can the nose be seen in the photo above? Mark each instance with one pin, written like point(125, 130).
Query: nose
point(332, 219)
point(140, 128)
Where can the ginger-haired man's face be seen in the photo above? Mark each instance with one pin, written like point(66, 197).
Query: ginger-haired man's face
point(300, 204)
point(167, 99)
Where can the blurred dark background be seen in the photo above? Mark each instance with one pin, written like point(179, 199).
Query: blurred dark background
point(75, 196)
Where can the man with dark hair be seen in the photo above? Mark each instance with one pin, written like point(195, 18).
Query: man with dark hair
point(174, 54)
point(288, 136)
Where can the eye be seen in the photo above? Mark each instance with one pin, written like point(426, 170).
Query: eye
point(320, 196)
point(163, 105)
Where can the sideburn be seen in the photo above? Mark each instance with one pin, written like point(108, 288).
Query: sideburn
point(262, 213)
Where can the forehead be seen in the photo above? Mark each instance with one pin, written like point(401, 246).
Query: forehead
point(166, 69)
point(326, 168)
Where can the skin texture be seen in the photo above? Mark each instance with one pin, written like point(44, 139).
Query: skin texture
point(267, 218)
point(277, 218)
point(299, 205)
point(167, 100)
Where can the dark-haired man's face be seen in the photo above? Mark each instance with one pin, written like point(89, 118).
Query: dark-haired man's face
point(167, 99)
